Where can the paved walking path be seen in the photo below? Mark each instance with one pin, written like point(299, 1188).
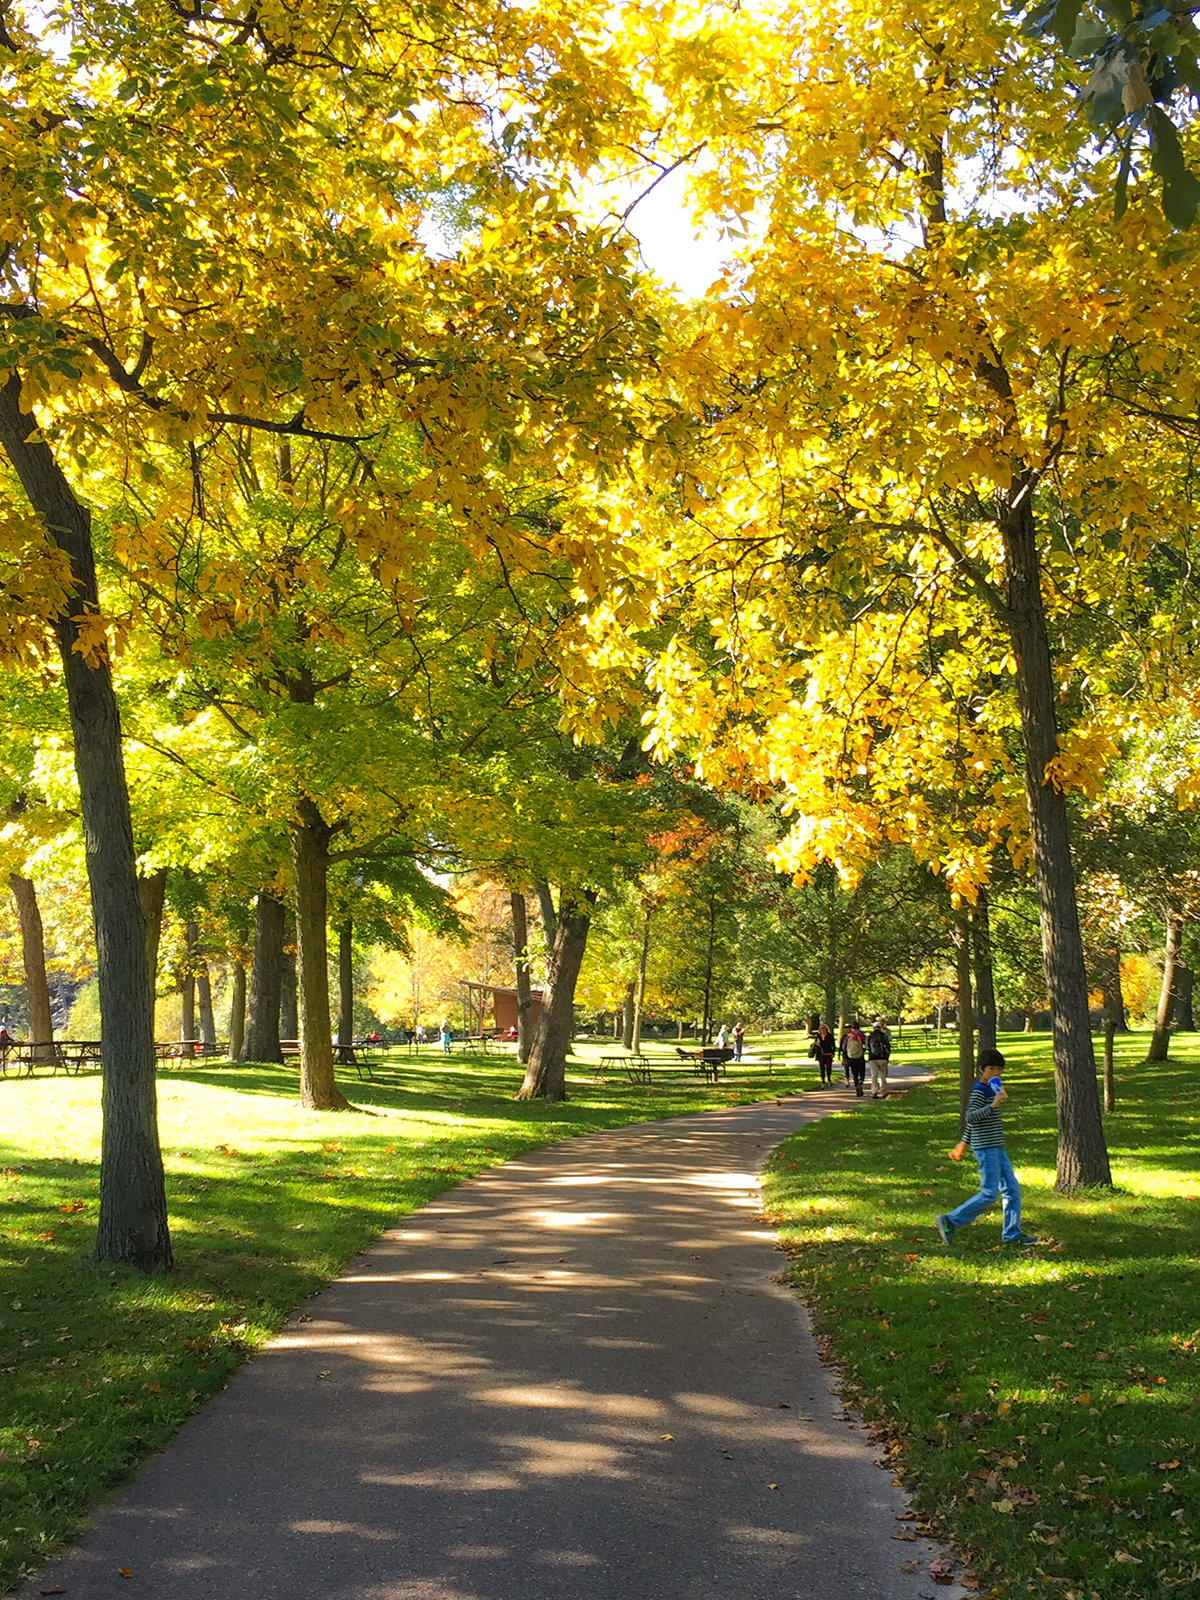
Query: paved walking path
point(560, 1381)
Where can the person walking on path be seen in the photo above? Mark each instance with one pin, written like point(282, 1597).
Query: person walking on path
point(854, 1056)
point(996, 1176)
point(822, 1052)
point(444, 1030)
point(739, 1039)
point(879, 1051)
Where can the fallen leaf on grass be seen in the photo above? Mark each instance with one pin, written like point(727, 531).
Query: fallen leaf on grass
point(1167, 1466)
point(1005, 1507)
point(1126, 1559)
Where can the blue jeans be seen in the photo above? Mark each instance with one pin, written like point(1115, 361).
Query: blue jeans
point(996, 1178)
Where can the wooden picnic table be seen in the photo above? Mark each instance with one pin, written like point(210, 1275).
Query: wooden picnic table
point(22, 1058)
point(636, 1068)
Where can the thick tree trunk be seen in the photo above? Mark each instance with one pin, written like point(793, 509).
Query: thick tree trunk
point(187, 988)
point(208, 1026)
point(1082, 1152)
point(261, 1042)
point(152, 894)
point(546, 1074)
point(1185, 983)
point(639, 999)
point(627, 1017)
point(289, 999)
point(985, 984)
point(966, 1019)
point(831, 1004)
point(1160, 1042)
point(345, 1035)
point(310, 858)
point(1114, 999)
point(520, 938)
point(237, 1008)
point(33, 959)
point(133, 1206)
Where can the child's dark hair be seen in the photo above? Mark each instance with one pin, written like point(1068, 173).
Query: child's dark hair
point(988, 1061)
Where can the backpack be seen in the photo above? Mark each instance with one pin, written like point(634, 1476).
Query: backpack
point(854, 1046)
point(877, 1047)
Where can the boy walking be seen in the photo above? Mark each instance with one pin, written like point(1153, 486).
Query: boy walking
point(996, 1176)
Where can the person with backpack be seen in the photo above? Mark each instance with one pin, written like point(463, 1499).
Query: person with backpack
point(879, 1053)
point(821, 1051)
point(854, 1056)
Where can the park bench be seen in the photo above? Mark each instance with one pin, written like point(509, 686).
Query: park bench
point(23, 1058)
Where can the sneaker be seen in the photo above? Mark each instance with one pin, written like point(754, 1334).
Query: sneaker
point(1022, 1238)
point(945, 1228)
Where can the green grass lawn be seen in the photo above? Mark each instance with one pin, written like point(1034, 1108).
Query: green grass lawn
point(1042, 1405)
point(98, 1368)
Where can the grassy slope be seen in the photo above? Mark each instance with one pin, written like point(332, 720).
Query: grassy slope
point(1042, 1405)
point(267, 1201)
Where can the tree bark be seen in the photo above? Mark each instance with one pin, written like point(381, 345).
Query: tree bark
point(639, 999)
point(310, 858)
point(261, 1041)
point(1185, 983)
point(187, 988)
point(1082, 1151)
point(1114, 999)
point(237, 1008)
point(208, 1026)
point(152, 894)
point(966, 1019)
point(1161, 1039)
point(546, 1074)
point(985, 985)
point(345, 1035)
point(1110, 1083)
point(627, 1017)
point(706, 1019)
point(520, 938)
point(548, 915)
point(289, 1001)
point(133, 1206)
point(33, 959)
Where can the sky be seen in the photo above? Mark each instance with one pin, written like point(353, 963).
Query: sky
point(668, 238)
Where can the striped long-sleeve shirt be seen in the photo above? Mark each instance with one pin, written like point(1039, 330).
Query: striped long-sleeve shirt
point(983, 1120)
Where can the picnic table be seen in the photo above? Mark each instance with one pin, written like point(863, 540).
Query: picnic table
point(22, 1058)
point(636, 1068)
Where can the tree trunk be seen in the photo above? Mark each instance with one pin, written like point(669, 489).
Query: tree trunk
point(289, 1002)
point(985, 986)
point(546, 1074)
point(208, 1026)
point(1082, 1152)
point(1184, 985)
point(133, 1205)
point(1114, 999)
point(831, 1004)
point(1110, 1083)
point(261, 1042)
point(33, 958)
point(187, 989)
point(152, 894)
point(237, 1008)
point(966, 1021)
point(640, 997)
point(1162, 1017)
point(627, 1017)
point(548, 915)
point(520, 938)
point(707, 1018)
point(345, 1036)
point(310, 858)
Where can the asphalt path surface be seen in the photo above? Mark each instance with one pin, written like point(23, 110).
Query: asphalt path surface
point(572, 1378)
